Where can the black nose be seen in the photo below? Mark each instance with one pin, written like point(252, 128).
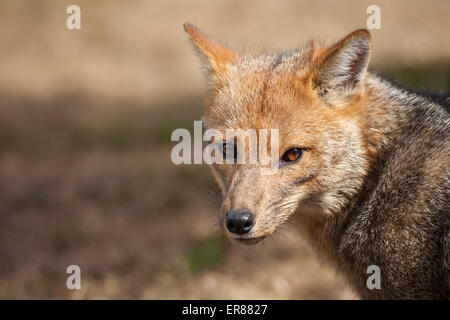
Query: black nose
point(239, 221)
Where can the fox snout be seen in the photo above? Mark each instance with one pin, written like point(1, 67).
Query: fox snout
point(239, 222)
point(242, 216)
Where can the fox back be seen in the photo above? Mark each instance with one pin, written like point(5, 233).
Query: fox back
point(363, 166)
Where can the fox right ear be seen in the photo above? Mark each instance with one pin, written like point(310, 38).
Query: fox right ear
point(219, 57)
point(341, 69)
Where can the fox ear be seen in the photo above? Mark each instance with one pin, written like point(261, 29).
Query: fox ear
point(219, 56)
point(341, 69)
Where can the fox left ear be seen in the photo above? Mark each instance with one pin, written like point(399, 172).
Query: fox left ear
point(340, 70)
point(219, 57)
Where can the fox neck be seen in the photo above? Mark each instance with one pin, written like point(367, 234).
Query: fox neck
point(382, 113)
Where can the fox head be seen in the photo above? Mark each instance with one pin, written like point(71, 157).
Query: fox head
point(315, 98)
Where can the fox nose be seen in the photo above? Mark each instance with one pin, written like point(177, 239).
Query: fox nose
point(239, 221)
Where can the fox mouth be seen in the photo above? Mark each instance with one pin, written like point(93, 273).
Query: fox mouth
point(250, 241)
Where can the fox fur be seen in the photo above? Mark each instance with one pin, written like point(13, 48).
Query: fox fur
point(373, 184)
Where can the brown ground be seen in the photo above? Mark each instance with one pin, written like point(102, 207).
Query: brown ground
point(85, 123)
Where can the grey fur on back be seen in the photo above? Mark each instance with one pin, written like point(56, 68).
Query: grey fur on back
point(400, 220)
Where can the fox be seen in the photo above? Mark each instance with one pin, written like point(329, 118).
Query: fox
point(364, 166)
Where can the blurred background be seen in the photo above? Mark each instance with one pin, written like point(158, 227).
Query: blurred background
point(85, 121)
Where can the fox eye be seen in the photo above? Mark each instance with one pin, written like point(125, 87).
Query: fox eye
point(229, 150)
point(292, 155)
